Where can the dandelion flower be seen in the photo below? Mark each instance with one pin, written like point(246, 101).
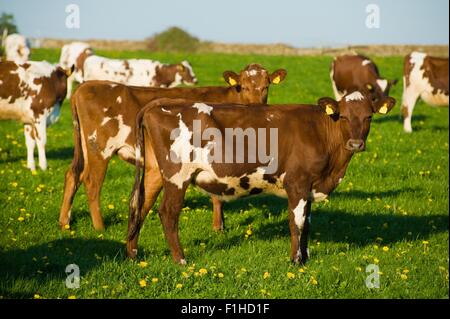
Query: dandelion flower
point(301, 270)
point(403, 276)
point(385, 248)
point(20, 219)
point(155, 280)
point(179, 286)
point(425, 242)
point(376, 260)
point(72, 297)
point(290, 275)
point(313, 281)
point(142, 283)
point(67, 226)
point(143, 264)
point(110, 206)
point(202, 271)
point(37, 296)
point(266, 275)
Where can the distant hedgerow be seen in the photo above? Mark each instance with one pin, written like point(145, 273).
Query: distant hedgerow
point(173, 39)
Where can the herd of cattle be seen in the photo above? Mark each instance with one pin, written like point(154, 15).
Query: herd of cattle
point(132, 108)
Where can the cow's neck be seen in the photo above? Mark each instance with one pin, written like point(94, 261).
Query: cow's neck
point(339, 156)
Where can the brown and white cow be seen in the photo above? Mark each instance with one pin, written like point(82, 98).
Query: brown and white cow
point(32, 93)
point(138, 72)
point(104, 115)
point(298, 151)
point(425, 77)
point(356, 72)
point(74, 53)
point(16, 48)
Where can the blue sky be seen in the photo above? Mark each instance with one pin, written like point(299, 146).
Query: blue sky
point(298, 23)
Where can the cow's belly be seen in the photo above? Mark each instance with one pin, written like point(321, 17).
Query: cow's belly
point(20, 110)
point(232, 187)
point(439, 99)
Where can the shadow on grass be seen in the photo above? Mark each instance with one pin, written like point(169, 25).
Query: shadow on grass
point(397, 118)
point(47, 262)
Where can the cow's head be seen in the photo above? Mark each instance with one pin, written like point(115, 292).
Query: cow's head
point(353, 114)
point(253, 82)
point(59, 78)
point(186, 74)
point(380, 88)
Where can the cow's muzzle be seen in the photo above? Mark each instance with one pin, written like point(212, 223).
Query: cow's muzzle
point(355, 145)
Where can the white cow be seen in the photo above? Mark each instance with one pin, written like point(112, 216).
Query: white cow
point(16, 48)
point(74, 53)
point(425, 77)
point(32, 93)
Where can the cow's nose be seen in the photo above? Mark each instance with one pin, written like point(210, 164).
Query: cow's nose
point(355, 145)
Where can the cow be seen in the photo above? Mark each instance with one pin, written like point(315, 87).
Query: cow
point(426, 77)
point(104, 116)
point(16, 48)
point(356, 72)
point(74, 53)
point(310, 147)
point(138, 72)
point(32, 93)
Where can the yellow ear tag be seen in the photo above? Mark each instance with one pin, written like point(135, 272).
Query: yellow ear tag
point(68, 72)
point(370, 87)
point(383, 109)
point(232, 81)
point(329, 110)
point(276, 80)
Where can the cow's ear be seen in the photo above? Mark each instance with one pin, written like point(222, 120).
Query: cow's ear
point(384, 105)
point(393, 82)
point(70, 71)
point(328, 105)
point(231, 78)
point(180, 67)
point(278, 76)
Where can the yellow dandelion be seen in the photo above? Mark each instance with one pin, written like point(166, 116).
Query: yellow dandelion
point(376, 260)
point(290, 275)
point(266, 275)
point(67, 226)
point(385, 248)
point(185, 274)
point(110, 206)
point(313, 281)
point(301, 270)
point(405, 271)
point(142, 283)
point(155, 280)
point(220, 275)
point(143, 264)
point(202, 271)
point(179, 286)
point(72, 233)
point(72, 297)
point(249, 232)
point(37, 296)
point(425, 242)
point(20, 219)
point(359, 269)
point(375, 247)
point(403, 276)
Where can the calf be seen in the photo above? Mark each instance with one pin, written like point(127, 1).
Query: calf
point(356, 72)
point(32, 93)
point(138, 72)
point(310, 149)
point(16, 48)
point(74, 53)
point(426, 77)
point(104, 115)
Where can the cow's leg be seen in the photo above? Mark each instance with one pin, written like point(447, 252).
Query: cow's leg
point(409, 100)
point(299, 209)
point(152, 188)
point(169, 213)
point(70, 80)
point(71, 184)
point(41, 140)
point(218, 221)
point(31, 143)
point(93, 177)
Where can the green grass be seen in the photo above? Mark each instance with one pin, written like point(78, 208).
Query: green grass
point(394, 195)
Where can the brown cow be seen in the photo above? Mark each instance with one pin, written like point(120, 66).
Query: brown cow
point(310, 149)
point(356, 72)
point(425, 77)
point(32, 93)
point(104, 115)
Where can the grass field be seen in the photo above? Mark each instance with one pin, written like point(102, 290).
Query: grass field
point(391, 210)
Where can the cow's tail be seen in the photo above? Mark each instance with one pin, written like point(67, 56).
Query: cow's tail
point(137, 194)
point(78, 157)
